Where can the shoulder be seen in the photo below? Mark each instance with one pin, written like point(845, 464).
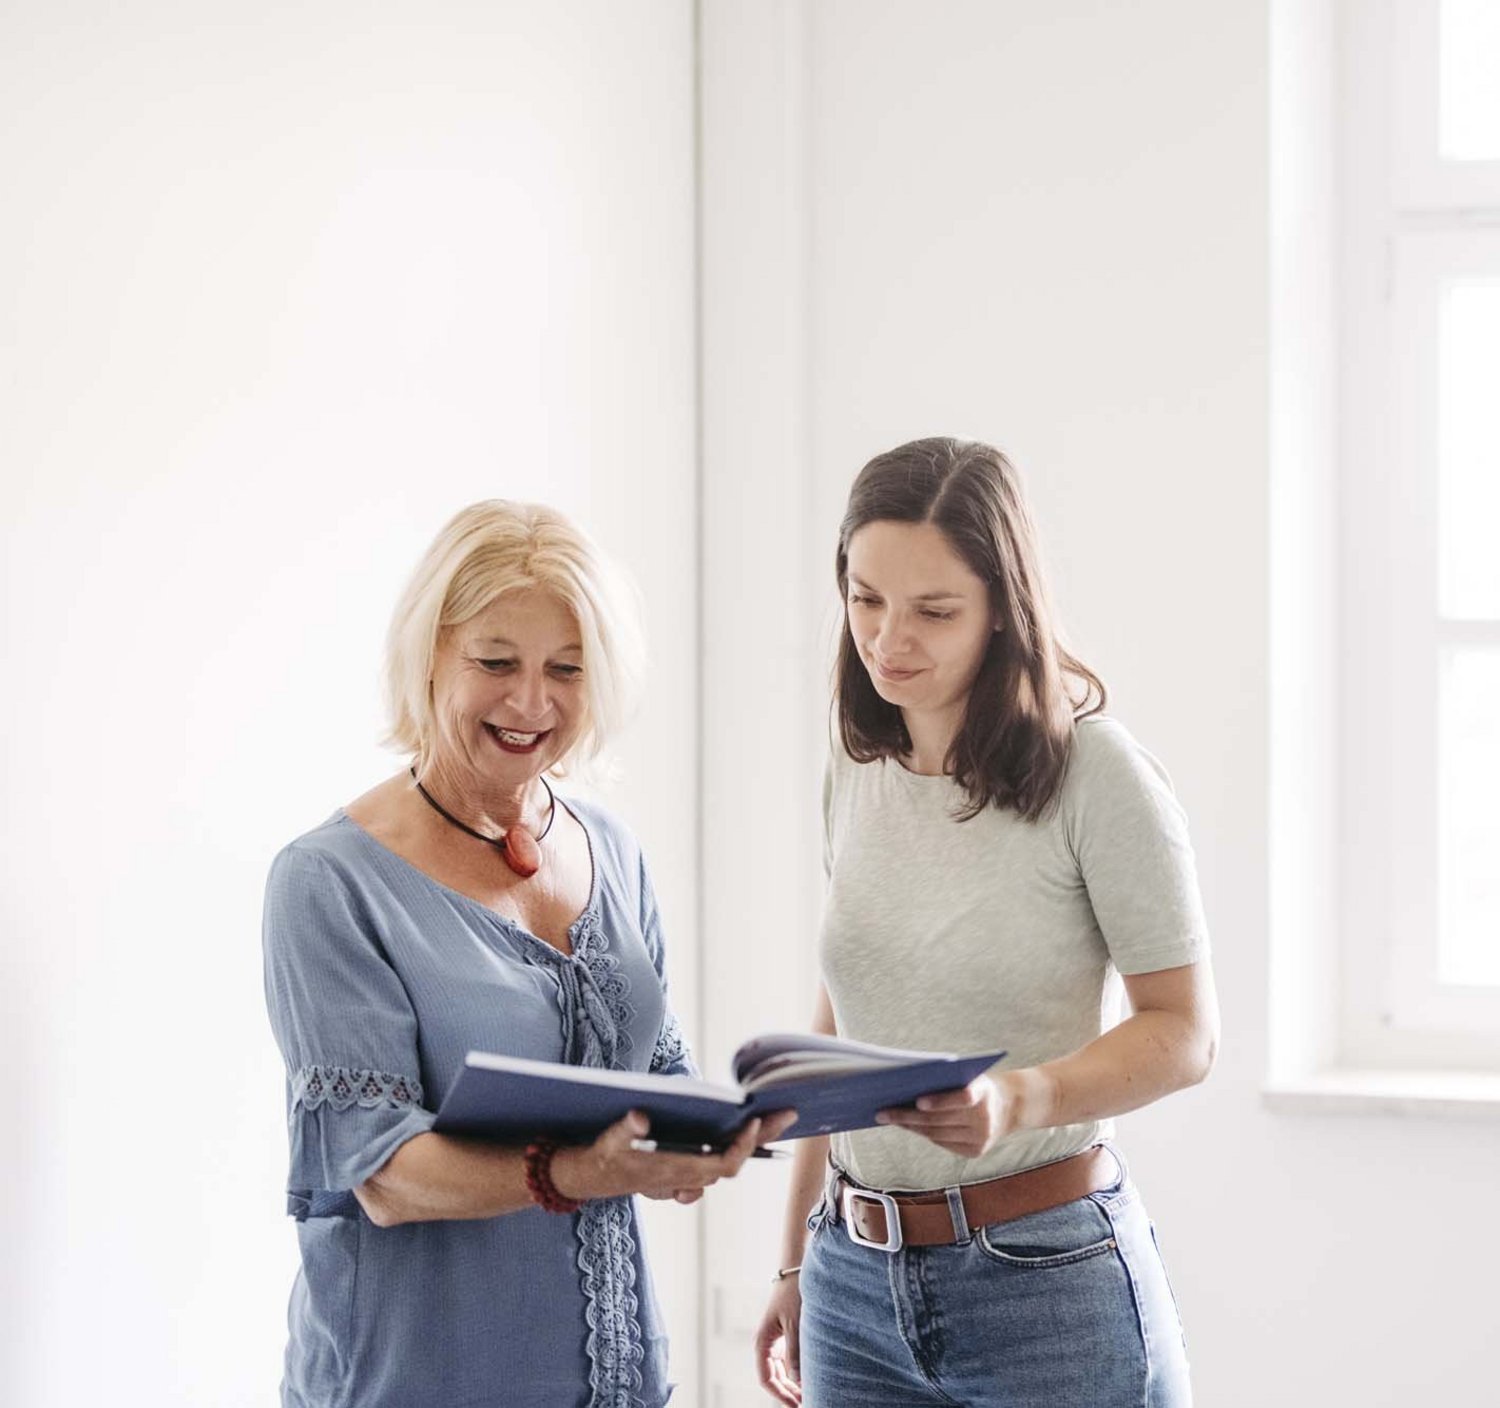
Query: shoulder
point(323, 882)
point(1106, 753)
point(332, 850)
point(1113, 784)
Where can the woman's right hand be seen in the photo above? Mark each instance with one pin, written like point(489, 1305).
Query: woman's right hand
point(777, 1349)
point(610, 1168)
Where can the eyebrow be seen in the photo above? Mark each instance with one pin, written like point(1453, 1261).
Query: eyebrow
point(925, 596)
point(511, 645)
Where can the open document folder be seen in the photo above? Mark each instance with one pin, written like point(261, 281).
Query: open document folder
point(832, 1084)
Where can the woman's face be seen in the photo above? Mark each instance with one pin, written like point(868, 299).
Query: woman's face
point(507, 691)
point(920, 618)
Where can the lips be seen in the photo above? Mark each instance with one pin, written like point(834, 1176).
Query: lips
point(517, 740)
point(895, 676)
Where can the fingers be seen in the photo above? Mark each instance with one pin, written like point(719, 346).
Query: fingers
point(966, 1097)
point(733, 1158)
point(683, 1177)
point(784, 1386)
point(773, 1126)
point(963, 1130)
point(933, 1119)
point(771, 1366)
point(632, 1125)
point(765, 1338)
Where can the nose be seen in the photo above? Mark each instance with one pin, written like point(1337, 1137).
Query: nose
point(527, 697)
point(890, 635)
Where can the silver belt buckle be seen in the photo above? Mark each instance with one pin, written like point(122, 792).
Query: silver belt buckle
point(892, 1241)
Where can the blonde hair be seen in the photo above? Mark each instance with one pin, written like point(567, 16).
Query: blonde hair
point(486, 550)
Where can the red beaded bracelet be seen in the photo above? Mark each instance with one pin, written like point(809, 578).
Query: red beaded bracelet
point(538, 1163)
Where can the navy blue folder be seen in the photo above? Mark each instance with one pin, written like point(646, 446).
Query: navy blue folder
point(514, 1100)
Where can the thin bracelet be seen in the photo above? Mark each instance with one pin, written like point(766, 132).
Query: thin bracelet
point(784, 1273)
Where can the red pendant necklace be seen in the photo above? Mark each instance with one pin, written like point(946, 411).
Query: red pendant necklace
point(521, 849)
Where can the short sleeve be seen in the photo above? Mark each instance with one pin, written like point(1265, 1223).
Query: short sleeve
point(346, 1029)
point(671, 1055)
point(1129, 836)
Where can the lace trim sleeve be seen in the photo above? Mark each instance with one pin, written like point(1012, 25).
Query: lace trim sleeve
point(671, 1055)
point(342, 1088)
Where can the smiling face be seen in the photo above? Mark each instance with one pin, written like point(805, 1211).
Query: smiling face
point(508, 697)
point(919, 617)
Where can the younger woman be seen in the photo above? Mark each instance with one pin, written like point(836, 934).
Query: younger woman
point(996, 850)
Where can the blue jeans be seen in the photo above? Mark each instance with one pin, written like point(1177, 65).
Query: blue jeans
point(1067, 1308)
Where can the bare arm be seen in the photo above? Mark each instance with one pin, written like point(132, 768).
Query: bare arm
point(436, 1177)
point(809, 1162)
point(777, 1350)
point(1169, 1042)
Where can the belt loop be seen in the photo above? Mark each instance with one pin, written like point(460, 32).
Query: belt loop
point(831, 1190)
point(956, 1212)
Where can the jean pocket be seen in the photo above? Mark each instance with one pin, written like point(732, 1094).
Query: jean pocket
point(1060, 1236)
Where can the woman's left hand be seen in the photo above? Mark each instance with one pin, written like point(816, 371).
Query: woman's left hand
point(966, 1121)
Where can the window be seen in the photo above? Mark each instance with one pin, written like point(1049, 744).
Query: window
point(1419, 490)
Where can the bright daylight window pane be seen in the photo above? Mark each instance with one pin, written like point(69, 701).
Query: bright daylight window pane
point(1469, 449)
point(1469, 94)
point(1469, 819)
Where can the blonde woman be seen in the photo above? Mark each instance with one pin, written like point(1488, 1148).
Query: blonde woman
point(465, 903)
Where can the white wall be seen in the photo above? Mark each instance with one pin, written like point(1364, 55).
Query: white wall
point(284, 286)
point(1048, 226)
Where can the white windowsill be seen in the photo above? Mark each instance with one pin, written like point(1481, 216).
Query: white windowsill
point(1464, 1095)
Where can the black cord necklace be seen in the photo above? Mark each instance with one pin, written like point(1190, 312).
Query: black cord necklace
point(520, 848)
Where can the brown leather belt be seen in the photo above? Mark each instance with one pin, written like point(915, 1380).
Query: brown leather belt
point(890, 1221)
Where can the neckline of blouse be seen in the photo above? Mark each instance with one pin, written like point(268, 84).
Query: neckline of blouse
point(918, 779)
point(587, 913)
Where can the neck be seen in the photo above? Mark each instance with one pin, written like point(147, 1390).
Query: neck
point(482, 805)
point(932, 733)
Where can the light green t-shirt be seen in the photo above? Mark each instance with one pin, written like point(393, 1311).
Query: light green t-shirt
point(998, 933)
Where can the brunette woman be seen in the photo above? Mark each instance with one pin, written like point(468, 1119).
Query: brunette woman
point(1001, 858)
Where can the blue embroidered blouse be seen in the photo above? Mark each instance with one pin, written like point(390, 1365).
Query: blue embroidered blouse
point(379, 980)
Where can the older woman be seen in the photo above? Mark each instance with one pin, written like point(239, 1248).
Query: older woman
point(464, 904)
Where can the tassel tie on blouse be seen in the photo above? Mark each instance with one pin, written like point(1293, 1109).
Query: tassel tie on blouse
point(593, 996)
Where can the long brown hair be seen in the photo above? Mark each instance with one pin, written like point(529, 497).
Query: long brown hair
point(1013, 745)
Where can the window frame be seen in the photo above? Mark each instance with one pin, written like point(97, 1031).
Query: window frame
point(1408, 221)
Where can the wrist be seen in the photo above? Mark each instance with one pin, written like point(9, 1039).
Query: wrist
point(1035, 1094)
point(569, 1173)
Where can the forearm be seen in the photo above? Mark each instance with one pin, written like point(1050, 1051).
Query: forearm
point(809, 1169)
point(1147, 1056)
point(810, 1161)
point(436, 1177)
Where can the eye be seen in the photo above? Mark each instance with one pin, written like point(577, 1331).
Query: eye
point(934, 615)
point(568, 672)
point(495, 666)
point(855, 599)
